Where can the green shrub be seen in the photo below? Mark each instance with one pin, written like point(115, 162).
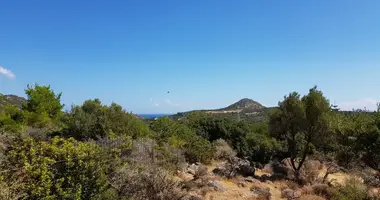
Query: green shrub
point(199, 149)
point(11, 119)
point(43, 107)
point(352, 190)
point(195, 148)
point(58, 169)
point(262, 148)
point(93, 119)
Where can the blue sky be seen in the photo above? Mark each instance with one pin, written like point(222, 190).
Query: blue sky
point(207, 53)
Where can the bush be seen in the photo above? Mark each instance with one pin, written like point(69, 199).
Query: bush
point(147, 152)
point(200, 172)
point(310, 171)
point(262, 193)
point(195, 148)
point(312, 197)
point(261, 148)
point(11, 119)
point(199, 149)
point(146, 183)
point(223, 150)
point(352, 190)
point(321, 190)
point(93, 119)
point(233, 167)
point(11, 191)
point(58, 169)
point(43, 107)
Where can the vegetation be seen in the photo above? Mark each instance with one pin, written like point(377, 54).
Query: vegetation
point(301, 123)
point(97, 151)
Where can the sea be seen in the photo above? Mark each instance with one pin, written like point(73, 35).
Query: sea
point(152, 116)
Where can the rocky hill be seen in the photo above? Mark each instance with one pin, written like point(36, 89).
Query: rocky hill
point(12, 99)
point(243, 104)
point(244, 109)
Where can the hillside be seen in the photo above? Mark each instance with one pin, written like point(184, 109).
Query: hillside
point(244, 109)
point(242, 105)
point(11, 99)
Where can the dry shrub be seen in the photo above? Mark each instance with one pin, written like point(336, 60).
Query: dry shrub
point(311, 197)
point(318, 189)
point(374, 193)
point(206, 190)
point(307, 190)
point(352, 190)
point(310, 171)
point(233, 167)
point(200, 172)
point(146, 183)
point(11, 191)
point(321, 190)
point(262, 193)
point(223, 150)
point(281, 184)
point(371, 177)
point(292, 185)
point(147, 152)
point(189, 185)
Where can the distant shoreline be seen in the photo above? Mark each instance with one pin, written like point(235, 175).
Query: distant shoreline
point(152, 116)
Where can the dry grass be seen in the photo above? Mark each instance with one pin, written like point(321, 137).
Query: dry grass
point(312, 197)
point(10, 191)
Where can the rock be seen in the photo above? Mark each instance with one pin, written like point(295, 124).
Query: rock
point(192, 197)
point(265, 177)
point(259, 165)
point(374, 193)
point(262, 193)
point(268, 182)
point(268, 168)
point(235, 166)
point(290, 194)
point(245, 168)
point(201, 172)
point(241, 184)
point(250, 179)
point(320, 188)
point(217, 186)
point(371, 178)
point(192, 169)
point(281, 169)
point(222, 171)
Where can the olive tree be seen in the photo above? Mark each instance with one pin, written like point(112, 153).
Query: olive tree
point(301, 123)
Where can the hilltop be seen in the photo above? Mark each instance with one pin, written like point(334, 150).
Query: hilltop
point(242, 105)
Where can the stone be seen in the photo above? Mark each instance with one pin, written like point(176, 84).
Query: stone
point(217, 186)
point(250, 179)
point(241, 184)
point(235, 166)
point(245, 168)
point(290, 194)
point(192, 169)
point(261, 193)
point(192, 197)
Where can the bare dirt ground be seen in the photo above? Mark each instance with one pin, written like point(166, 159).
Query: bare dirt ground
point(234, 189)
